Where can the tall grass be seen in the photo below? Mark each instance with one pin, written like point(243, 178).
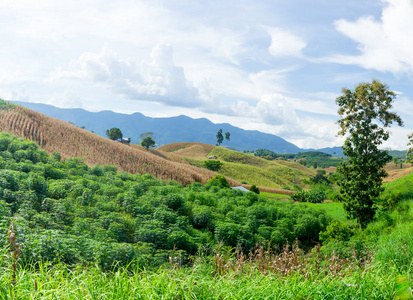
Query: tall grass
point(239, 279)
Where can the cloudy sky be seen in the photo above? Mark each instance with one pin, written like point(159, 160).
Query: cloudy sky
point(271, 65)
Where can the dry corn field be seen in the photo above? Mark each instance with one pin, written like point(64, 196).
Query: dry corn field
point(71, 141)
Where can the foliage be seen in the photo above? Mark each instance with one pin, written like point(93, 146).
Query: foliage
point(309, 158)
point(114, 134)
point(227, 136)
point(336, 231)
point(254, 189)
point(148, 142)
point(96, 216)
point(220, 181)
point(213, 165)
point(362, 110)
point(409, 154)
point(312, 196)
point(220, 137)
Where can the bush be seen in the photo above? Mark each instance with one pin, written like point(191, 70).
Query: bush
point(219, 181)
point(213, 165)
point(255, 189)
point(312, 196)
point(336, 231)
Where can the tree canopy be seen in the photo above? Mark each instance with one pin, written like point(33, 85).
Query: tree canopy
point(148, 142)
point(114, 134)
point(362, 111)
point(220, 137)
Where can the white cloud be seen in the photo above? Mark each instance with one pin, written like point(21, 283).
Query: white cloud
point(385, 45)
point(157, 80)
point(70, 99)
point(284, 43)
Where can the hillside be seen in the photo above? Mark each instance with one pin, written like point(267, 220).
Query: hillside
point(243, 167)
point(71, 141)
point(166, 130)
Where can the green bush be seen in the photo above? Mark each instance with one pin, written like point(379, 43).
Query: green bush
point(213, 165)
point(255, 189)
point(336, 231)
point(219, 181)
point(312, 196)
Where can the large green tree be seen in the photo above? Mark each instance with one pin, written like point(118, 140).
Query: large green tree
point(365, 113)
point(114, 133)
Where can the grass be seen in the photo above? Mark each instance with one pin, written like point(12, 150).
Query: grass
point(333, 209)
point(240, 279)
point(271, 175)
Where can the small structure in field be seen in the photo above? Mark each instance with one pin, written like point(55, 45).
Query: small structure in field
point(125, 141)
point(212, 157)
point(241, 188)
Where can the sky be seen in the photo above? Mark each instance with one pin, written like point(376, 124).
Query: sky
point(274, 66)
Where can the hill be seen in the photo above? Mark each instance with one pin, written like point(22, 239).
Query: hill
point(166, 130)
point(243, 167)
point(71, 141)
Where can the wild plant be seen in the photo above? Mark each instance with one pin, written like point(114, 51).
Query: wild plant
point(14, 251)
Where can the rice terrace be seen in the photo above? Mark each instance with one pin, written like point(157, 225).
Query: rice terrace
point(224, 150)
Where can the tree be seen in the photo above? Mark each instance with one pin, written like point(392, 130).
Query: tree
point(363, 111)
point(409, 154)
point(148, 142)
point(220, 137)
point(227, 135)
point(213, 165)
point(114, 134)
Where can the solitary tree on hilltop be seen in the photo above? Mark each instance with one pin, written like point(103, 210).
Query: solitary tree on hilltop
point(114, 134)
point(220, 137)
point(148, 142)
point(362, 111)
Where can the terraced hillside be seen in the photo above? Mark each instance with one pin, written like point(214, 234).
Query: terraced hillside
point(244, 167)
point(71, 141)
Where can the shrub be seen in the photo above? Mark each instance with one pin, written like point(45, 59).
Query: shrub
point(336, 231)
point(219, 181)
point(213, 165)
point(255, 189)
point(312, 196)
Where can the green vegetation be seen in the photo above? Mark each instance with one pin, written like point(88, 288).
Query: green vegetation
point(67, 212)
point(213, 165)
point(220, 137)
point(309, 158)
point(254, 189)
point(114, 134)
point(247, 168)
point(148, 142)
point(95, 233)
point(5, 105)
point(362, 110)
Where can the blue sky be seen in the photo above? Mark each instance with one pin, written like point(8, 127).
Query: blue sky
point(274, 66)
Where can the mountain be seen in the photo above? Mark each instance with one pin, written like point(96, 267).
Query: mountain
point(166, 130)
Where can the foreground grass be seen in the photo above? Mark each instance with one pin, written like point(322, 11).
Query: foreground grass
point(190, 283)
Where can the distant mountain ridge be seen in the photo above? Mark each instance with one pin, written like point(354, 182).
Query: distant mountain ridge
point(170, 130)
